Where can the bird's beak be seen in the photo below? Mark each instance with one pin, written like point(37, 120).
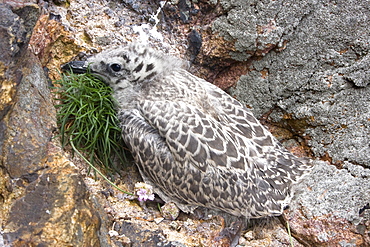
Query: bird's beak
point(78, 67)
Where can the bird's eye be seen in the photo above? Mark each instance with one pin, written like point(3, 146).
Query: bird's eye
point(115, 67)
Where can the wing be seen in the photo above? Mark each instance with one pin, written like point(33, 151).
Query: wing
point(198, 159)
point(193, 136)
point(148, 147)
point(271, 160)
point(172, 180)
point(222, 175)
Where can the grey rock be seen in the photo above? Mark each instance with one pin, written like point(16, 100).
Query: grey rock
point(317, 69)
point(358, 73)
point(336, 192)
point(333, 205)
point(12, 29)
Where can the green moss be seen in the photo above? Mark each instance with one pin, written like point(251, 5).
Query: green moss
point(86, 116)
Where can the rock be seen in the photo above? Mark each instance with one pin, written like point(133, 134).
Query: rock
point(328, 213)
point(314, 74)
point(44, 200)
point(170, 211)
point(52, 44)
point(53, 209)
point(13, 36)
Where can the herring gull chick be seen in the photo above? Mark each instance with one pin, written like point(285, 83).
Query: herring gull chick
point(196, 145)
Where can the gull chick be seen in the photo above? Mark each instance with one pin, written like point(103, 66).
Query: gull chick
point(196, 145)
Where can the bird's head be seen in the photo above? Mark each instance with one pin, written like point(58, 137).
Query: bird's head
point(121, 67)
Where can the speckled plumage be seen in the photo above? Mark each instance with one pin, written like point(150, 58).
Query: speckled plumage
point(193, 142)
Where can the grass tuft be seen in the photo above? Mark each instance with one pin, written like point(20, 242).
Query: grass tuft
point(86, 116)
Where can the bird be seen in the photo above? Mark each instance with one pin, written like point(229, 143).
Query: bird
point(193, 142)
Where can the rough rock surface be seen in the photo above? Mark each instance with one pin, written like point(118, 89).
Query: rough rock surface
point(43, 199)
point(301, 65)
point(315, 71)
point(334, 210)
